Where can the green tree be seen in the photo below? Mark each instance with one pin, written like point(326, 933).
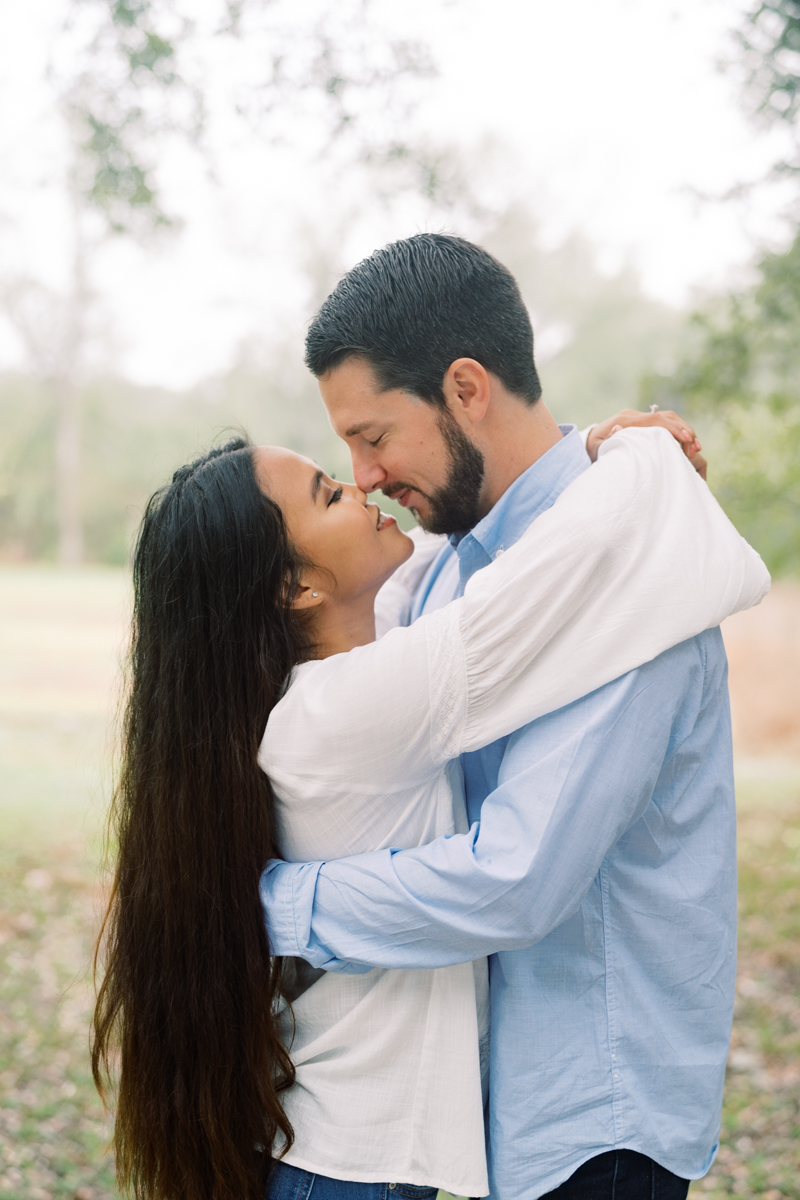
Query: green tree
point(739, 373)
point(595, 334)
point(129, 78)
point(769, 62)
point(134, 437)
point(740, 378)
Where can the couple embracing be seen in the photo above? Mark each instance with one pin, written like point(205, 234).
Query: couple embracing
point(426, 845)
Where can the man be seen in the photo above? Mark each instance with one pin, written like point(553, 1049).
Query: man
point(599, 871)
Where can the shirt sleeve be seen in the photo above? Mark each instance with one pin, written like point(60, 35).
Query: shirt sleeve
point(634, 556)
point(570, 785)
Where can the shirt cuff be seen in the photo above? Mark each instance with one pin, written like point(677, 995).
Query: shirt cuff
point(287, 889)
point(276, 889)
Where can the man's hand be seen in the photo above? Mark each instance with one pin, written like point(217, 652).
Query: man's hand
point(680, 430)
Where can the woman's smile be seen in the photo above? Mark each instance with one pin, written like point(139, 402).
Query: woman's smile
point(382, 520)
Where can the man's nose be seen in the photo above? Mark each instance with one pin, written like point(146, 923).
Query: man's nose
point(367, 471)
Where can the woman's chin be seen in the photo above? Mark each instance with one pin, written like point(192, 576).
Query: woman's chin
point(397, 549)
point(405, 546)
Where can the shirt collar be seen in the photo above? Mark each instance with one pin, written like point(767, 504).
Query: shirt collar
point(528, 496)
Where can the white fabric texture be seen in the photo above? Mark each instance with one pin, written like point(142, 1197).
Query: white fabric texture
point(394, 600)
point(634, 557)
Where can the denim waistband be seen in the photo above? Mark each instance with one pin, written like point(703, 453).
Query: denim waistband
point(292, 1183)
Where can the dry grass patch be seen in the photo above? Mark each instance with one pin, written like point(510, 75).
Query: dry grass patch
point(760, 1145)
point(53, 1132)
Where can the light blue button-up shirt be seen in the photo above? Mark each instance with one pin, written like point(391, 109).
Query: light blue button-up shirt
point(600, 876)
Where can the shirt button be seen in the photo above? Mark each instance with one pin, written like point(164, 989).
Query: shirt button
point(497, 553)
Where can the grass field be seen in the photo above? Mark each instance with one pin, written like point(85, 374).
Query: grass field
point(59, 646)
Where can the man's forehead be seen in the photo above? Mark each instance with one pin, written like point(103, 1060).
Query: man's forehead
point(357, 404)
point(353, 376)
point(354, 414)
point(353, 410)
point(384, 411)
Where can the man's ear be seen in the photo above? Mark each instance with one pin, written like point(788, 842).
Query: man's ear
point(467, 389)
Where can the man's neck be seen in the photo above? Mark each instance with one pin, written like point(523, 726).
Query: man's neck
point(513, 436)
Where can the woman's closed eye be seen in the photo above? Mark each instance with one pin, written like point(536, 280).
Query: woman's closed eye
point(335, 495)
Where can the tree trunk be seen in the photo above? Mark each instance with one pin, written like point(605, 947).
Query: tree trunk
point(68, 473)
point(68, 392)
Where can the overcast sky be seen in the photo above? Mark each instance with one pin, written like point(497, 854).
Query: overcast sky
point(612, 115)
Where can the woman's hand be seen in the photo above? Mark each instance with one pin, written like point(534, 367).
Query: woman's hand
point(680, 429)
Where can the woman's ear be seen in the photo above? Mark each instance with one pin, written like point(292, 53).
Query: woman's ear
point(307, 597)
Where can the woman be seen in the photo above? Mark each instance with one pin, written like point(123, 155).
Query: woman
point(255, 580)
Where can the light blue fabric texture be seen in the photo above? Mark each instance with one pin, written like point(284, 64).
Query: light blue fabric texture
point(600, 875)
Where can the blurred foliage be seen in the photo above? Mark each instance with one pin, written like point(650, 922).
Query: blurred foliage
point(769, 43)
point(116, 96)
point(738, 372)
point(27, 451)
point(144, 74)
point(739, 379)
point(596, 334)
point(601, 345)
point(133, 438)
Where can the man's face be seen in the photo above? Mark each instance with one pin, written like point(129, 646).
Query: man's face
point(413, 451)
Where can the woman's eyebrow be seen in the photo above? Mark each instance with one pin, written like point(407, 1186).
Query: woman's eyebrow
point(315, 485)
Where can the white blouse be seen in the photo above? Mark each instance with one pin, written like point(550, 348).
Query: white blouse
point(634, 557)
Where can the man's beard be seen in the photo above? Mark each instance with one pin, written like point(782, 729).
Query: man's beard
point(454, 507)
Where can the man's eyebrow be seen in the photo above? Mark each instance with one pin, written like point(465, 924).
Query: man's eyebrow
point(354, 429)
point(315, 484)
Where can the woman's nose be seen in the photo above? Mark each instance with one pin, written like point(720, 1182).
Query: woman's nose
point(357, 493)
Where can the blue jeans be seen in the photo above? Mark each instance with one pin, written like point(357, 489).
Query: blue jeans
point(621, 1175)
point(291, 1183)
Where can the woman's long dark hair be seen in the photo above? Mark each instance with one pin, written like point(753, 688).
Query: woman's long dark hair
point(189, 990)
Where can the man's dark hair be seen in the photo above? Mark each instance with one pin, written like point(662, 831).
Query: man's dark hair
point(414, 307)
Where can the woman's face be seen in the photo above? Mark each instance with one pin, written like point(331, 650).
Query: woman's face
point(333, 526)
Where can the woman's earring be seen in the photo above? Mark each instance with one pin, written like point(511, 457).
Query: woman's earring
point(315, 594)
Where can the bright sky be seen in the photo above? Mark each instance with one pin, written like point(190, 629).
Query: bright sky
point(612, 116)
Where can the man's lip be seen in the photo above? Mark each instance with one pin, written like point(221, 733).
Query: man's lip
point(402, 497)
